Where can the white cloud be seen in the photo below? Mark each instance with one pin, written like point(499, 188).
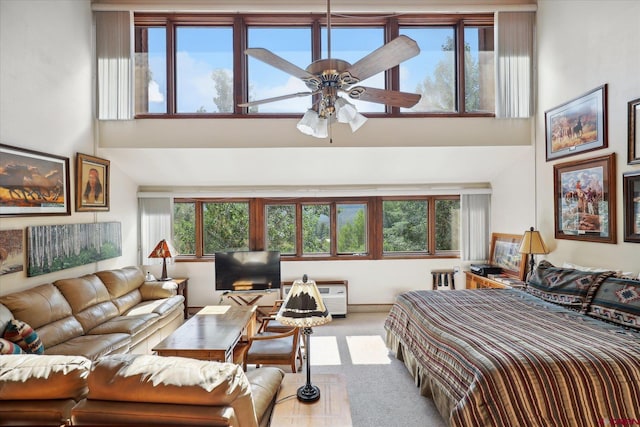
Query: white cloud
point(154, 92)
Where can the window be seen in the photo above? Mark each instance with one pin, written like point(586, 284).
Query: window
point(194, 65)
point(323, 228)
point(204, 69)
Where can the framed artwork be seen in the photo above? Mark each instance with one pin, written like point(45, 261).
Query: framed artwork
point(33, 183)
point(577, 126)
point(11, 251)
point(92, 183)
point(631, 191)
point(57, 247)
point(505, 252)
point(634, 132)
point(585, 200)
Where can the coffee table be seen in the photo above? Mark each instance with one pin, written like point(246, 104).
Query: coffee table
point(331, 410)
point(211, 334)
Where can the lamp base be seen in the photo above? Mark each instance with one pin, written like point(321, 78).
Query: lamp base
point(165, 279)
point(308, 393)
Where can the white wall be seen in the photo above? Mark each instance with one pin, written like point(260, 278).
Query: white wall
point(46, 104)
point(582, 45)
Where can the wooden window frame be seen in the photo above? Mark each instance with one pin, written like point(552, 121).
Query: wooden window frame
point(241, 22)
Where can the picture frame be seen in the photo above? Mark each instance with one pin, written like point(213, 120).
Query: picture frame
point(585, 200)
point(11, 251)
point(577, 126)
point(634, 132)
point(33, 183)
point(92, 183)
point(631, 192)
point(504, 252)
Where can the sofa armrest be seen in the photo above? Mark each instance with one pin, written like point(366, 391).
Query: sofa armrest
point(158, 290)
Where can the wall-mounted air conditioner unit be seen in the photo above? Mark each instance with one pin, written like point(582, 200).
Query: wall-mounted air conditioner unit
point(334, 295)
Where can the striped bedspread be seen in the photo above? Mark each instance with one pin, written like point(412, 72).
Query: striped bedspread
point(506, 358)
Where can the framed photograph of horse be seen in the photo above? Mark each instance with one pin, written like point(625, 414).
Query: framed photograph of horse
point(577, 126)
point(631, 191)
point(634, 132)
point(33, 183)
point(585, 199)
point(92, 183)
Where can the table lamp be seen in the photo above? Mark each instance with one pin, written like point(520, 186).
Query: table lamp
point(163, 250)
point(303, 308)
point(532, 244)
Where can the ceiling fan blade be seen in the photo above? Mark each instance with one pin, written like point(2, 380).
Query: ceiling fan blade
point(381, 96)
point(387, 56)
point(276, 98)
point(278, 62)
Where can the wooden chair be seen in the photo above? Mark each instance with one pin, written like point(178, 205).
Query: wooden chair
point(274, 348)
point(269, 322)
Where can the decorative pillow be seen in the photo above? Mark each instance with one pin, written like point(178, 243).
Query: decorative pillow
point(565, 286)
point(7, 347)
point(22, 334)
point(617, 300)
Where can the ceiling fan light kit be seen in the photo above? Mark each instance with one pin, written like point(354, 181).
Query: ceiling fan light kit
point(330, 77)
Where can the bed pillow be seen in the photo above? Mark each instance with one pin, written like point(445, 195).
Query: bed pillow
point(617, 300)
point(565, 286)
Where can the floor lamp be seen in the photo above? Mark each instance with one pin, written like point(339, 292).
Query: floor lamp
point(531, 245)
point(303, 308)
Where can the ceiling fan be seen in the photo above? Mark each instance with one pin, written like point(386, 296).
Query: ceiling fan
point(330, 77)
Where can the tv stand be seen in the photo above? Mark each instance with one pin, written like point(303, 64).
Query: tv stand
point(250, 298)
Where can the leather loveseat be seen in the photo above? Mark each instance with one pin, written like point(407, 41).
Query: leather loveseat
point(134, 389)
point(109, 312)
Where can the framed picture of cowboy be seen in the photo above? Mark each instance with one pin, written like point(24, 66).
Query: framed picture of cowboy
point(585, 199)
point(92, 183)
point(578, 125)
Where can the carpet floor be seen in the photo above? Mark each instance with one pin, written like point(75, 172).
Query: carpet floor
point(381, 391)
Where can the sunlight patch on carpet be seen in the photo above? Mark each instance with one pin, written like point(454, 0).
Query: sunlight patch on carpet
point(368, 350)
point(324, 351)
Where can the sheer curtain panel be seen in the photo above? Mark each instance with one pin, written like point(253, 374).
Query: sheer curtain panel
point(114, 54)
point(514, 35)
point(155, 224)
point(475, 212)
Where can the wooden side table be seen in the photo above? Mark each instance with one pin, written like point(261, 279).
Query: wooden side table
point(183, 290)
point(331, 410)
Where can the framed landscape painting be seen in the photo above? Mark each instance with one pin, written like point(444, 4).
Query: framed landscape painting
point(33, 183)
point(585, 200)
point(505, 252)
point(631, 191)
point(577, 126)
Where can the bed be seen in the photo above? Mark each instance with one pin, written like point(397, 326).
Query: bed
point(542, 357)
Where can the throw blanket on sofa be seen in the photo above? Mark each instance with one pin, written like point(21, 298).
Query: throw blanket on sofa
point(506, 358)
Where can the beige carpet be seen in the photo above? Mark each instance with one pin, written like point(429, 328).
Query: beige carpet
point(381, 391)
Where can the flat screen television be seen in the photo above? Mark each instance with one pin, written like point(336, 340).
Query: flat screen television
point(247, 271)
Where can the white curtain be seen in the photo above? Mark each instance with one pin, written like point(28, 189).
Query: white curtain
point(115, 71)
point(155, 224)
point(514, 53)
point(475, 212)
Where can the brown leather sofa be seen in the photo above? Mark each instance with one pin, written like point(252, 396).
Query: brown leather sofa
point(109, 312)
point(131, 389)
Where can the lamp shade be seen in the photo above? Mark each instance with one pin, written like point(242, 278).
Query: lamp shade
point(309, 122)
point(303, 306)
point(532, 243)
point(163, 249)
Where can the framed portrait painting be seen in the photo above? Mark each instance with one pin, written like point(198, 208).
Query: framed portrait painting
point(33, 183)
point(578, 125)
point(585, 200)
point(92, 183)
point(631, 191)
point(634, 132)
